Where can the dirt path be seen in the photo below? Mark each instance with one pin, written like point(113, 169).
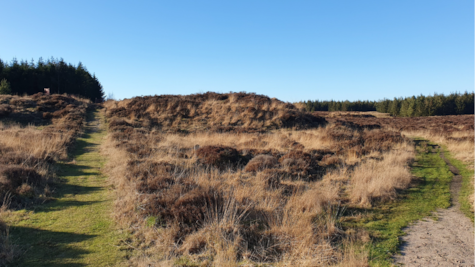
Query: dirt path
point(448, 241)
point(75, 229)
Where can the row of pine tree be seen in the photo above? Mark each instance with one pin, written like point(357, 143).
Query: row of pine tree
point(340, 105)
point(30, 78)
point(415, 106)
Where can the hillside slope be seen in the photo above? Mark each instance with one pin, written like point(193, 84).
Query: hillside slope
point(211, 111)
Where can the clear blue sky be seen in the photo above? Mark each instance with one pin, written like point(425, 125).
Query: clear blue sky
point(292, 50)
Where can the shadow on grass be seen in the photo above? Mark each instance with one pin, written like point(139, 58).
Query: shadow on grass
point(49, 248)
point(82, 146)
point(74, 170)
point(61, 190)
point(60, 205)
point(71, 189)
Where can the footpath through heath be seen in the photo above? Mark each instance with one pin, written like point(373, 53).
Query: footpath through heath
point(74, 229)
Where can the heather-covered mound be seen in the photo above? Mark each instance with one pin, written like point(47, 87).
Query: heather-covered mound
point(233, 112)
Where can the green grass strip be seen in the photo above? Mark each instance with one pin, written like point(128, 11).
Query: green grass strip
point(76, 228)
point(467, 186)
point(385, 221)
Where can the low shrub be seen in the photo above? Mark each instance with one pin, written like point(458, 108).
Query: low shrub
point(218, 156)
point(260, 162)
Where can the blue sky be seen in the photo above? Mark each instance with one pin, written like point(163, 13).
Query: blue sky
point(292, 50)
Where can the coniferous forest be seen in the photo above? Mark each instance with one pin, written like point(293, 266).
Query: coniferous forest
point(415, 106)
point(30, 78)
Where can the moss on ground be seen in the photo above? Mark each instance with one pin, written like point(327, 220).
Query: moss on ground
point(76, 228)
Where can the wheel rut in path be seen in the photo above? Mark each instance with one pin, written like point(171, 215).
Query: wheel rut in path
point(75, 229)
point(448, 241)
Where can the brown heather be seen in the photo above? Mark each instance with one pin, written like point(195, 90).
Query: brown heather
point(233, 112)
point(240, 178)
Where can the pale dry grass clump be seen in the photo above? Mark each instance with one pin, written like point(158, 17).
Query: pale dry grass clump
point(354, 256)
point(379, 179)
point(35, 142)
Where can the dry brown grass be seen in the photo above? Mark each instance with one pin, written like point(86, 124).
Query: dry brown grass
point(38, 143)
point(380, 178)
point(211, 111)
point(218, 198)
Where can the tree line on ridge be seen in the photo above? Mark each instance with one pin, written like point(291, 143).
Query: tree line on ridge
point(415, 106)
point(30, 78)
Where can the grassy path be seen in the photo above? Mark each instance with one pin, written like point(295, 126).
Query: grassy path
point(75, 229)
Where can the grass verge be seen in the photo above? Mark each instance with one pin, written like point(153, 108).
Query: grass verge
point(467, 185)
point(385, 221)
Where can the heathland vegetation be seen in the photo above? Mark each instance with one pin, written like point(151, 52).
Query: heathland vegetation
point(30, 78)
point(231, 179)
point(415, 106)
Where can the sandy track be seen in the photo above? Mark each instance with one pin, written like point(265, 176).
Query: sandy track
point(449, 241)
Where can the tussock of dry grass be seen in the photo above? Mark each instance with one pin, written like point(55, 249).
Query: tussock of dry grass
point(380, 178)
point(31, 141)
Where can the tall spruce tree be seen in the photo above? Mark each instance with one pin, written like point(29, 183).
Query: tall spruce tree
point(5, 88)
